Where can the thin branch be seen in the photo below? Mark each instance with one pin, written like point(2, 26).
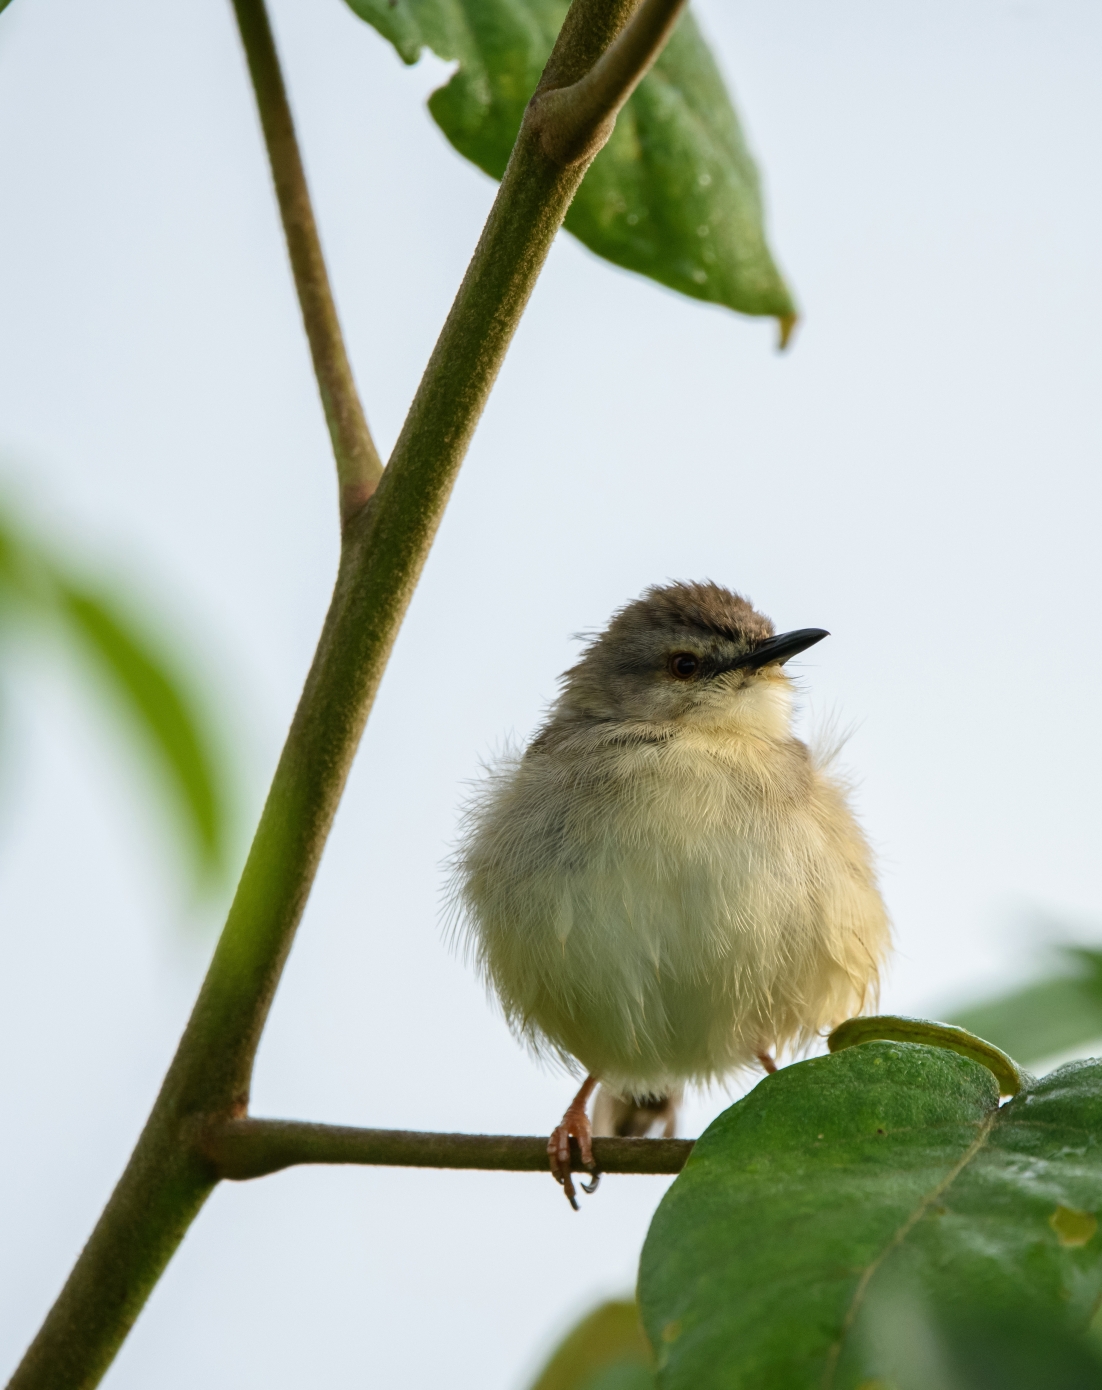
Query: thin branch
point(247, 1148)
point(359, 467)
point(384, 547)
point(574, 122)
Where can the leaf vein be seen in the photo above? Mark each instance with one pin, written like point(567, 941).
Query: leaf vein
point(899, 1236)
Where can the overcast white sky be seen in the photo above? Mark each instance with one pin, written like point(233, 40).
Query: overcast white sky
point(919, 475)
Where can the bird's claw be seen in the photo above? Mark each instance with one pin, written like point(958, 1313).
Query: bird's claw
point(575, 1125)
point(558, 1151)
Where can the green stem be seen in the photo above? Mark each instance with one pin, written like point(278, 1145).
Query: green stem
point(359, 467)
point(575, 121)
point(894, 1028)
point(247, 1148)
point(384, 547)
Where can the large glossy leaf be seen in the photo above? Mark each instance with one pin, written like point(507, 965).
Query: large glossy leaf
point(1050, 1016)
point(675, 193)
point(874, 1219)
point(606, 1350)
point(158, 705)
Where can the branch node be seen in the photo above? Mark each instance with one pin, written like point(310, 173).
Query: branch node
point(572, 123)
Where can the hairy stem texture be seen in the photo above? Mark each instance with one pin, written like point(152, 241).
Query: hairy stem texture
point(385, 543)
point(575, 121)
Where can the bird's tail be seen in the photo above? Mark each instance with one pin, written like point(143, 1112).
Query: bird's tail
point(616, 1116)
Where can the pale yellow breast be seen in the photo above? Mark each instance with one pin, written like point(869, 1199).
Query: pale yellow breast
point(663, 910)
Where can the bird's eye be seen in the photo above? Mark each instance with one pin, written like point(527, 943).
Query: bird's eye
point(684, 665)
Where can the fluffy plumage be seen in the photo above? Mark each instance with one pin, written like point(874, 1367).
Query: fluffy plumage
point(666, 884)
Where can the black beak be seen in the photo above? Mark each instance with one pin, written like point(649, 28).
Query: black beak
point(777, 650)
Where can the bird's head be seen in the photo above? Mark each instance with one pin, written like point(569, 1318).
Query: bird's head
point(687, 654)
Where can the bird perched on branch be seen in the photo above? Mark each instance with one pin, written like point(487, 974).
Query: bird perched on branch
point(667, 885)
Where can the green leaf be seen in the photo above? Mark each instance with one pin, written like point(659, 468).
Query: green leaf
point(1043, 1019)
point(674, 195)
point(873, 1219)
point(605, 1351)
point(159, 708)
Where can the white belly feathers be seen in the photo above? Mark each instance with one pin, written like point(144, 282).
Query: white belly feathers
point(662, 909)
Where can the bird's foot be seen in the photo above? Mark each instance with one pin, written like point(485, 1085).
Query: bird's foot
point(575, 1126)
point(767, 1062)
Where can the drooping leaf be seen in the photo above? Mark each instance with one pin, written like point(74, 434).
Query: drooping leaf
point(24, 577)
point(159, 709)
point(605, 1351)
point(872, 1219)
point(1046, 1018)
point(674, 195)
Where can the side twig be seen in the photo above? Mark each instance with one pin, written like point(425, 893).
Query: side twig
point(247, 1148)
point(573, 122)
point(385, 543)
point(359, 467)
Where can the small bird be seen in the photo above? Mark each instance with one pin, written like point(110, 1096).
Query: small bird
point(668, 885)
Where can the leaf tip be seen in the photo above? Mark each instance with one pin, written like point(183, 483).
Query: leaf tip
point(786, 326)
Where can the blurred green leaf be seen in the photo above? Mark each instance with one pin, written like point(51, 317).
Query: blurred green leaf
point(674, 195)
point(1046, 1018)
point(873, 1218)
point(605, 1351)
point(160, 711)
point(157, 706)
point(1039, 1020)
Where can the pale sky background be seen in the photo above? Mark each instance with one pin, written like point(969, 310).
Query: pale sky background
point(919, 475)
